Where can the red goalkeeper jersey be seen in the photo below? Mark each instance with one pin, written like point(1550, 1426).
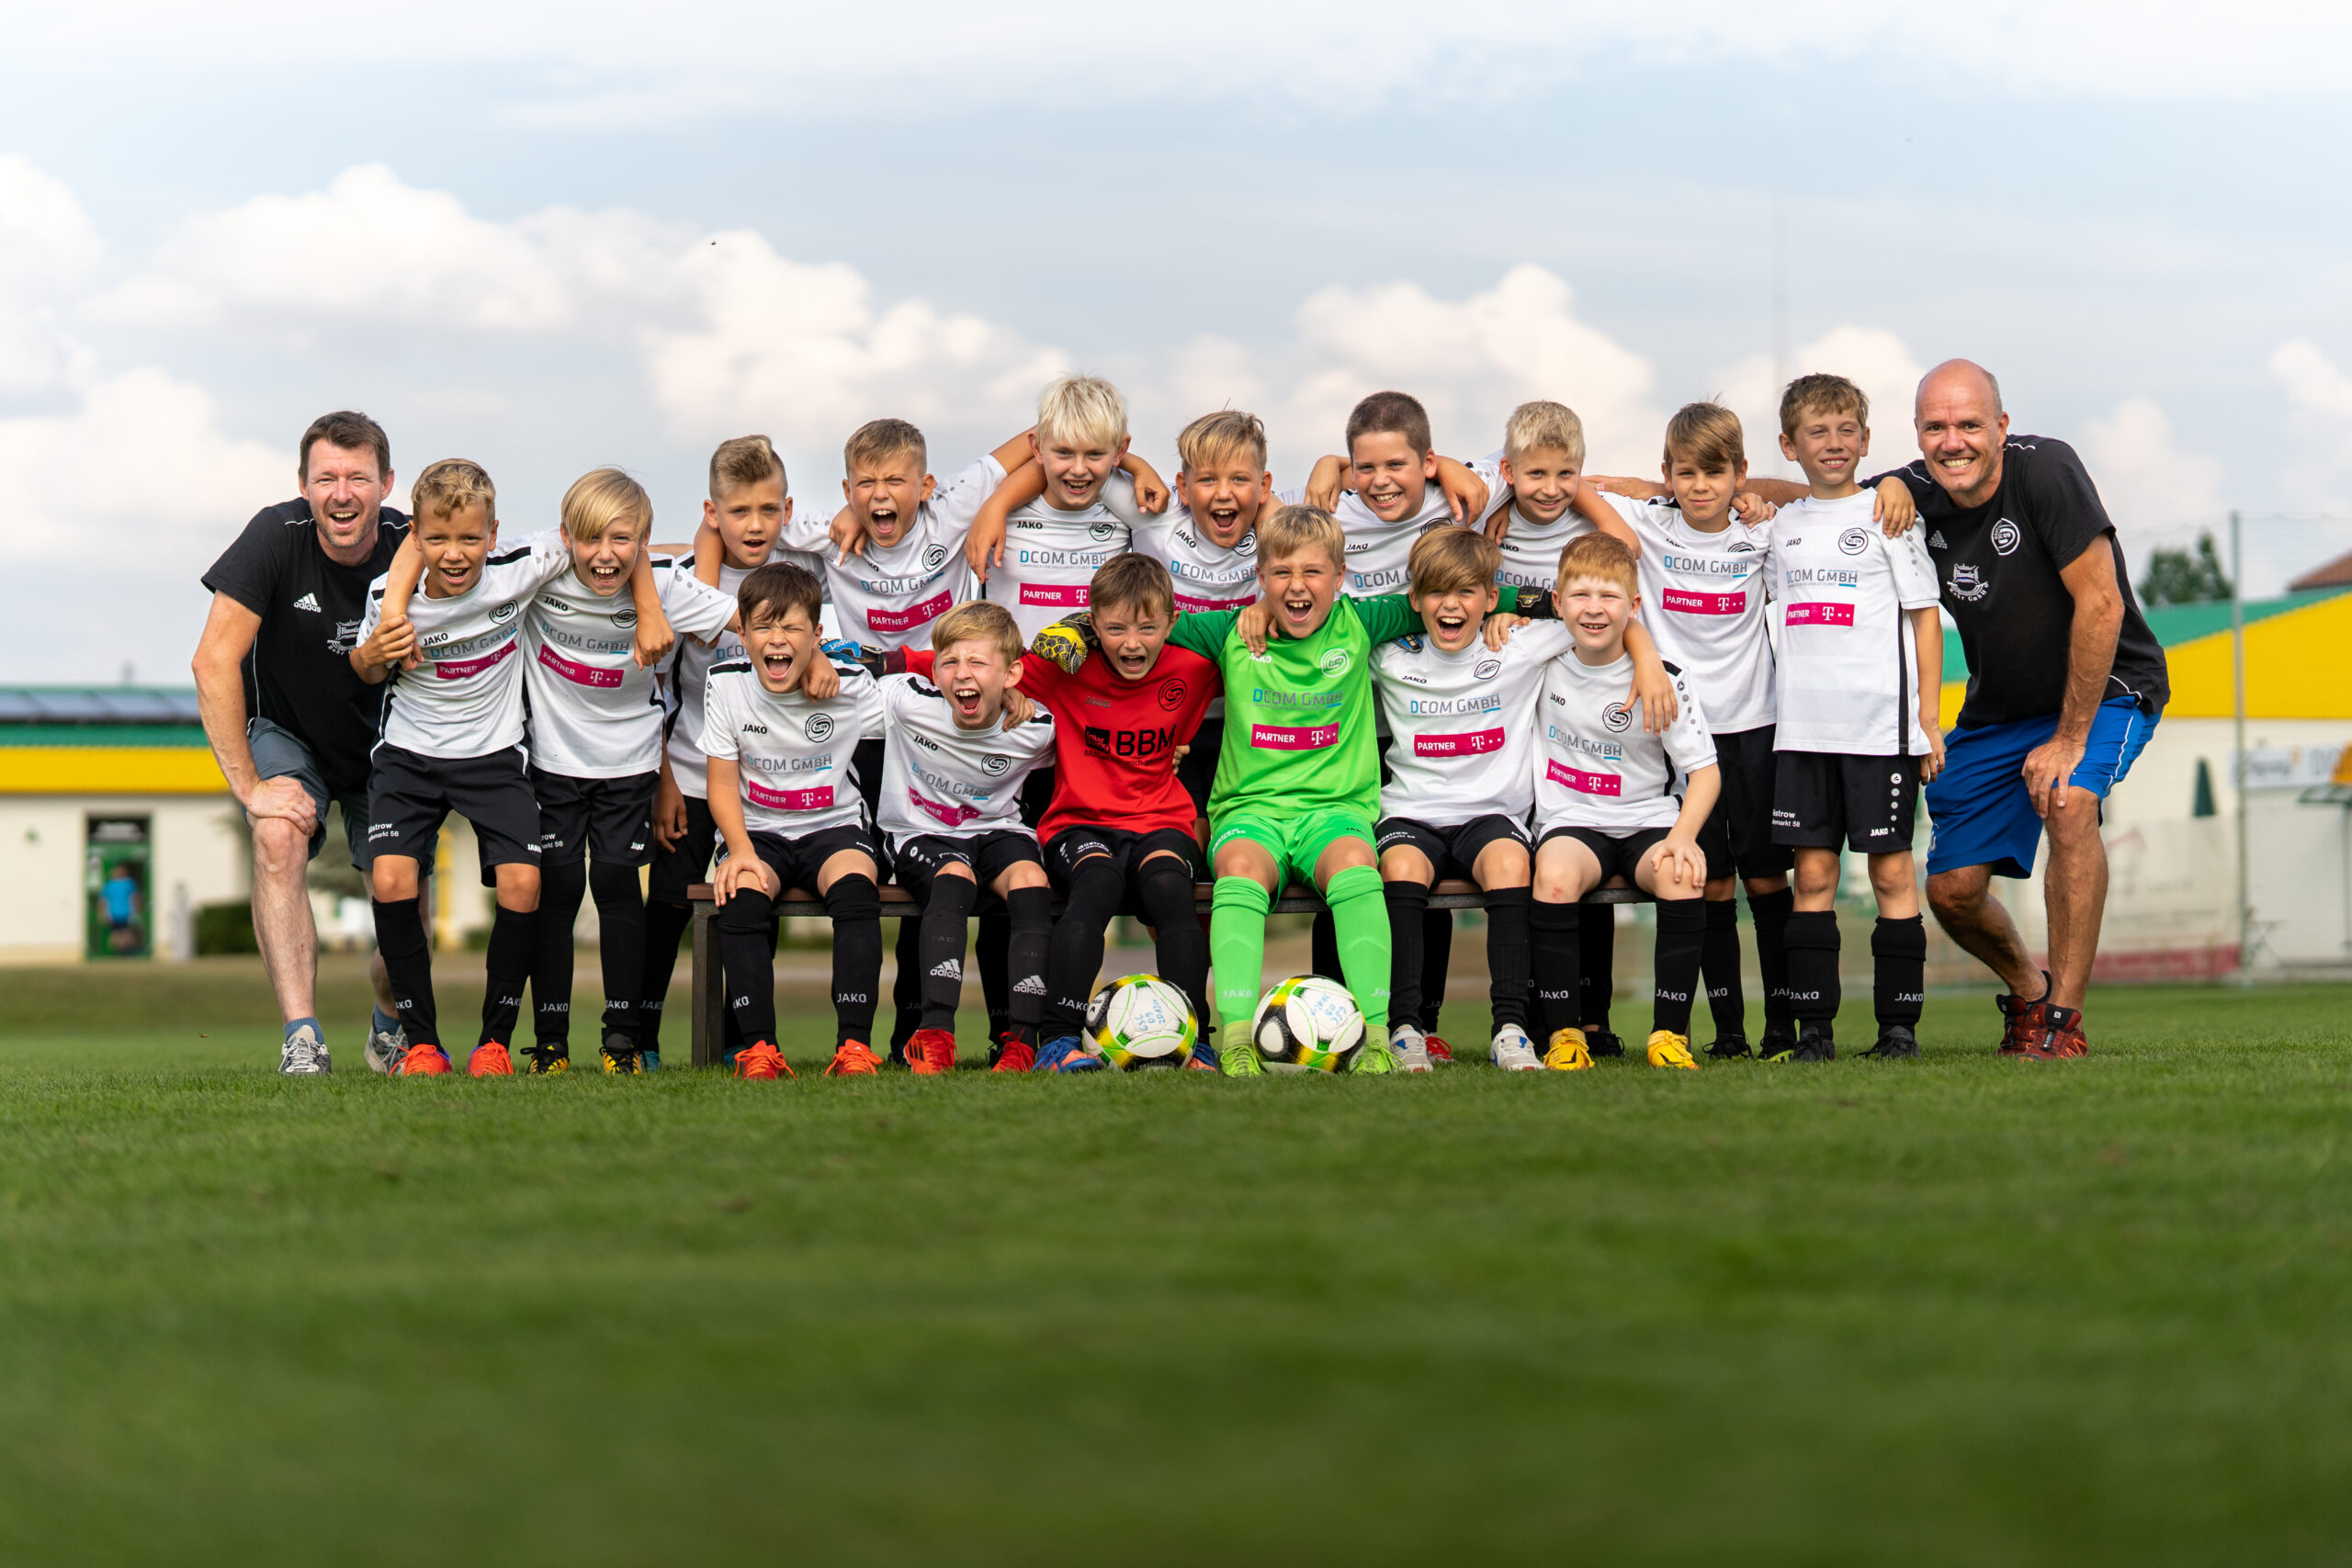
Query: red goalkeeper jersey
point(1115, 740)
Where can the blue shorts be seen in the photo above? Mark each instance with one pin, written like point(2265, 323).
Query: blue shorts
point(1982, 813)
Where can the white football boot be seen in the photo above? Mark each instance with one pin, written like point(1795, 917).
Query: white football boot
point(1412, 1052)
point(1513, 1052)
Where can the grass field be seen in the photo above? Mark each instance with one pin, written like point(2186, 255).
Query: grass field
point(1950, 1312)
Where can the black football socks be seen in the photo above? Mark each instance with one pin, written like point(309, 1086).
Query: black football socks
point(944, 934)
point(1681, 940)
point(560, 889)
point(1408, 909)
point(746, 925)
point(1557, 931)
point(1719, 963)
point(1899, 970)
point(1770, 912)
point(514, 934)
point(1030, 920)
point(408, 961)
point(1813, 992)
point(1596, 968)
point(1508, 955)
point(620, 941)
point(854, 905)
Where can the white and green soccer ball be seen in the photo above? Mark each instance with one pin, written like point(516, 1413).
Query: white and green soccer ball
point(1308, 1023)
point(1141, 1021)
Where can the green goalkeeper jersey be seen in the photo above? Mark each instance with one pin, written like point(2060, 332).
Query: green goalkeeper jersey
point(1300, 720)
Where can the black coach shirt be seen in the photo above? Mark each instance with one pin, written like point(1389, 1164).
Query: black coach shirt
point(298, 671)
point(1998, 568)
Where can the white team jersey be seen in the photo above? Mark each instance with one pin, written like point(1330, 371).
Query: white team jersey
point(887, 597)
point(466, 699)
point(948, 781)
point(1595, 767)
point(1703, 601)
point(688, 668)
point(1849, 670)
point(1207, 576)
point(594, 715)
point(1532, 550)
point(1051, 555)
point(795, 755)
point(1465, 724)
point(1377, 551)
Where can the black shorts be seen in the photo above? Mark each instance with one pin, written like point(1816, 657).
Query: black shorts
point(1823, 800)
point(1036, 793)
point(1618, 857)
point(917, 860)
point(612, 818)
point(1128, 851)
point(1197, 769)
point(279, 753)
point(1737, 837)
point(795, 862)
point(410, 796)
point(686, 862)
point(1454, 851)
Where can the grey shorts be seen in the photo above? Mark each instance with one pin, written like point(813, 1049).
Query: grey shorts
point(279, 753)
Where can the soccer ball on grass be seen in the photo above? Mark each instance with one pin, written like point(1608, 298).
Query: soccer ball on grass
point(1308, 1023)
point(1141, 1021)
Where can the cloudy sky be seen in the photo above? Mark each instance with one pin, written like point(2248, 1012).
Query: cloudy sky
point(554, 236)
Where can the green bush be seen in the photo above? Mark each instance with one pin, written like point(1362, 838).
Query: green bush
point(225, 928)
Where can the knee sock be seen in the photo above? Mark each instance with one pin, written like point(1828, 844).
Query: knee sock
point(560, 888)
point(507, 968)
point(665, 927)
point(1030, 920)
point(944, 933)
point(1436, 959)
point(620, 941)
point(400, 938)
point(993, 953)
point(1597, 966)
point(1813, 969)
point(1769, 913)
point(1323, 948)
point(1556, 942)
point(1074, 953)
point(1238, 941)
point(1899, 970)
point(1360, 917)
point(1408, 909)
point(745, 922)
point(906, 991)
point(1719, 961)
point(855, 906)
point(1507, 910)
point(1681, 939)
point(1170, 898)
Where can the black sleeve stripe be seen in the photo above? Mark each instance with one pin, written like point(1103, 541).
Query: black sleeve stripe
point(509, 559)
point(1670, 667)
point(735, 667)
point(921, 687)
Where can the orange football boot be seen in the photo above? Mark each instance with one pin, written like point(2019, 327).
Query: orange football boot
point(931, 1051)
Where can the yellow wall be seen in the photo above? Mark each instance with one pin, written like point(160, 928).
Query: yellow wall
point(109, 770)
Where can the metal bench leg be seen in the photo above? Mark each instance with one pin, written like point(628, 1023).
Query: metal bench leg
point(708, 1001)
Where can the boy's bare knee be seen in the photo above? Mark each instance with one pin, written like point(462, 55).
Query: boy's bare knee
point(1405, 864)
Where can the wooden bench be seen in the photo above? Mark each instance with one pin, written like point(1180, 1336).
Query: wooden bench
point(708, 999)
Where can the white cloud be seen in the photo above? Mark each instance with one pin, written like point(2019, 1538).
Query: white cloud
point(2319, 397)
point(1874, 359)
point(48, 247)
point(2156, 492)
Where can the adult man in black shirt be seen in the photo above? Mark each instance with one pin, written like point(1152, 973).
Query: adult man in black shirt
point(2065, 683)
point(290, 723)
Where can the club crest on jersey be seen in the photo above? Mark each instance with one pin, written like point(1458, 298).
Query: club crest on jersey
point(1335, 663)
point(1486, 668)
point(1967, 584)
point(1618, 717)
point(1739, 546)
point(1247, 545)
point(995, 765)
point(935, 557)
point(819, 728)
point(624, 618)
point(1171, 695)
point(1098, 533)
point(1854, 541)
point(504, 611)
point(2007, 537)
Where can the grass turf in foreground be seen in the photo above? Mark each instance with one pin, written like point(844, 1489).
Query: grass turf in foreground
point(1954, 1312)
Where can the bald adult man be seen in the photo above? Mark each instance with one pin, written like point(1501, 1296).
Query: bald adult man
point(290, 723)
point(2065, 684)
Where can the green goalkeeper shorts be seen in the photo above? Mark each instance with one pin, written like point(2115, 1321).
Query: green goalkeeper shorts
point(1295, 842)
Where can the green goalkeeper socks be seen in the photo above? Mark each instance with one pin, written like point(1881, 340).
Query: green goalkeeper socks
point(1361, 912)
point(1237, 948)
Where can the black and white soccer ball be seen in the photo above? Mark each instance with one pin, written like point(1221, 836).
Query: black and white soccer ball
point(1308, 1024)
point(1142, 1020)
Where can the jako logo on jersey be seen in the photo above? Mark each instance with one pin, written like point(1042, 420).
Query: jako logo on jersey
point(755, 729)
point(1335, 663)
point(994, 765)
point(1486, 668)
point(1854, 541)
point(504, 611)
point(309, 602)
point(1618, 717)
point(1100, 532)
point(1171, 695)
point(1966, 584)
point(2007, 537)
point(624, 618)
point(935, 557)
point(819, 727)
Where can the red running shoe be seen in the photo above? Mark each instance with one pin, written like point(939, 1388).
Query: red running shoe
point(931, 1051)
point(1018, 1056)
point(761, 1059)
point(1440, 1052)
point(490, 1060)
point(2062, 1033)
point(2021, 1022)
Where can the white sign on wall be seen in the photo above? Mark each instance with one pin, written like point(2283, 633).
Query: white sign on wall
point(2290, 767)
